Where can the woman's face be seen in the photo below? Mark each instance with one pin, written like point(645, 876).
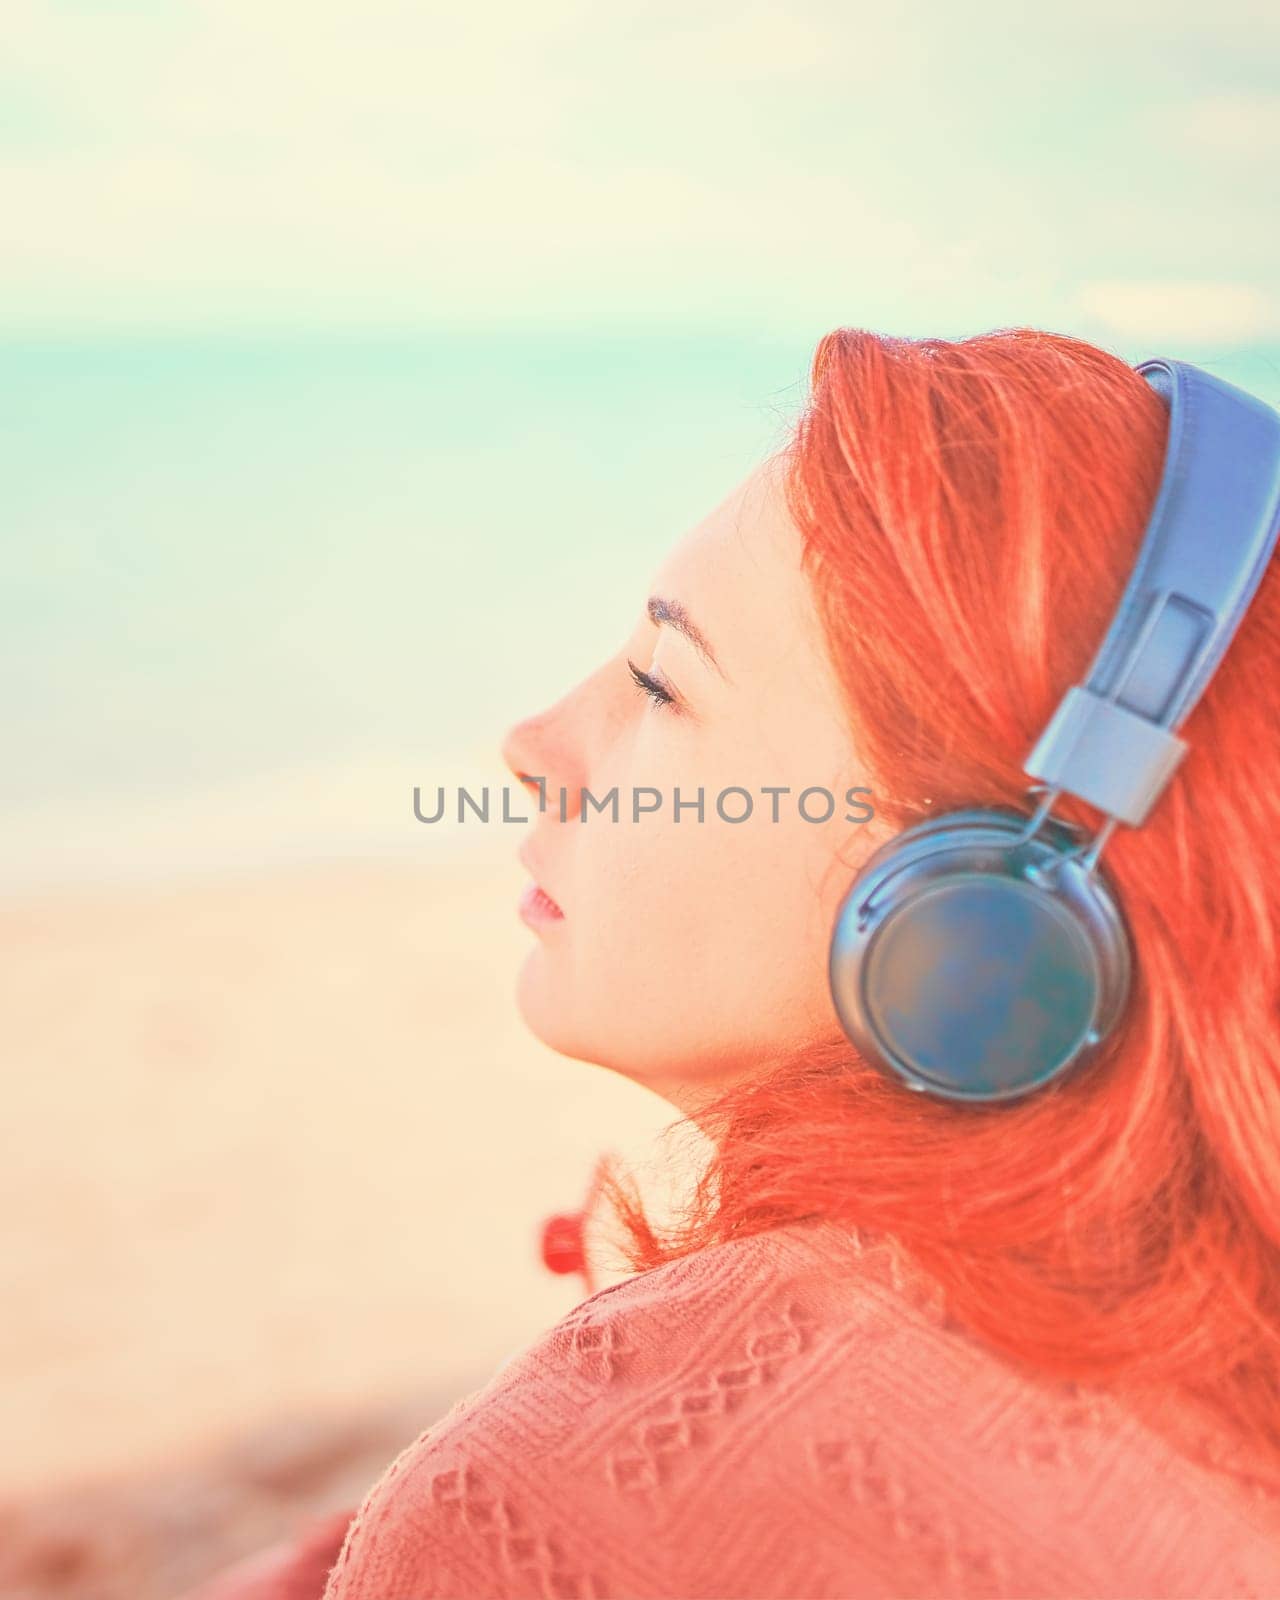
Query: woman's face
point(690, 953)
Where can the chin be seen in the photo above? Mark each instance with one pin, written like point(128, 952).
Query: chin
point(553, 1020)
point(547, 1016)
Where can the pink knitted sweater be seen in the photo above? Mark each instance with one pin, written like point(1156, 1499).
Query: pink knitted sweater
point(793, 1415)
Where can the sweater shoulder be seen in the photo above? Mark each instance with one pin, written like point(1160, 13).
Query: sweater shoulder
point(793, 1413)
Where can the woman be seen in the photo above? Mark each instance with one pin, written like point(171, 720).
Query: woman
point(895, 1345)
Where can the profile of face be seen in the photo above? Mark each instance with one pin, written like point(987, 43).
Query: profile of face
point(691, 953)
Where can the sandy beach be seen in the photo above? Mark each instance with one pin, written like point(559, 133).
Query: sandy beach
point(278, 1150)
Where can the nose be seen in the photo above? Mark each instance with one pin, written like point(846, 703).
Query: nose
point(517, 754)
point(549, 752)
point(529, 752)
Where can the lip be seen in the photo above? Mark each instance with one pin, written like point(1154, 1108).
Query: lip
point(537, 906)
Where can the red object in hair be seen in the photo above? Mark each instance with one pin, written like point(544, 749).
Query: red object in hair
point(562, 1242)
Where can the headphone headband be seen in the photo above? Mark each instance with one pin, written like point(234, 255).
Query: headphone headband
point(1111, 741)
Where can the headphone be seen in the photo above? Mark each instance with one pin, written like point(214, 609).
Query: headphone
point(982, 953)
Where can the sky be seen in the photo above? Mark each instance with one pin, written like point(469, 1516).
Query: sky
point(1107, 169)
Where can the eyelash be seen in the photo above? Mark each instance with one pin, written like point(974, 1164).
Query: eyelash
point(650, 686)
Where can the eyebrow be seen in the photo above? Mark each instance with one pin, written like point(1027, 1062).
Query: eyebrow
point(673, 613)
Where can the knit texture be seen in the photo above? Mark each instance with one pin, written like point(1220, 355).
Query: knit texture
point(793, 1415)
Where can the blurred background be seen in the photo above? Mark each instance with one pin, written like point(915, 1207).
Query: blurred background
point(358, 365)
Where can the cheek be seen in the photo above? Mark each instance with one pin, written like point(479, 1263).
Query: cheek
point(717, 932)
point(774, 924)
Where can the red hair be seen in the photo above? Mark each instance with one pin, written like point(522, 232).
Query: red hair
point(970, 512)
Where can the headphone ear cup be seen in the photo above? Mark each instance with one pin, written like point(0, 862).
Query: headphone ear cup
point(975, 963)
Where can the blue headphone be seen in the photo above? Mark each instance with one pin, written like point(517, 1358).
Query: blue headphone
point(982, 953)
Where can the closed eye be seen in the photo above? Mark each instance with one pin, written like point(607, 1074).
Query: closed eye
point(658, 693)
